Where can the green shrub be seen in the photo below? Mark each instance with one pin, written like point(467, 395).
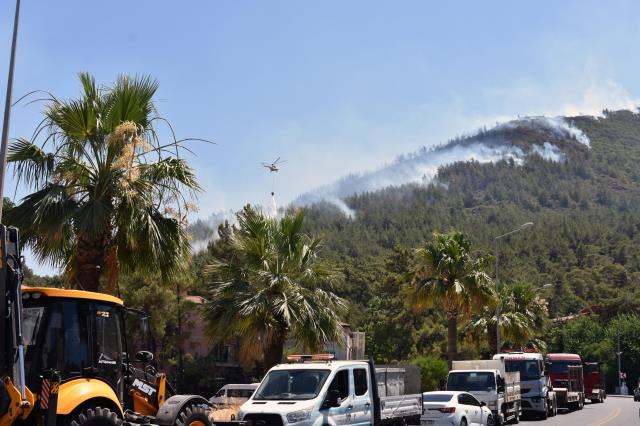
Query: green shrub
point(432, 371)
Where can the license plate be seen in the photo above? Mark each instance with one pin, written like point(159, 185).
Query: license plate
point(427, 422)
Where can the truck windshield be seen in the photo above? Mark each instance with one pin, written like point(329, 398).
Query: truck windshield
point(529, 369)
point(562, 367)
point(291, 384)
point(469, 381)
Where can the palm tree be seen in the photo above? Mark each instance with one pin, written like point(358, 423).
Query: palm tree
point(107, 193)
point(267, 285)
point(446, 273)
point(523, 317)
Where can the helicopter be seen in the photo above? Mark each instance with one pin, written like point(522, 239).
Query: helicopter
point(273, 167)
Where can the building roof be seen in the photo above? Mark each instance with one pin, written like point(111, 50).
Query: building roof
point(198, 300)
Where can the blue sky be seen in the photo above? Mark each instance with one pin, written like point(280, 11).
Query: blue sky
point(333, 86)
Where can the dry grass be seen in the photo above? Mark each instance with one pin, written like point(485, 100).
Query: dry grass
point(223, 414)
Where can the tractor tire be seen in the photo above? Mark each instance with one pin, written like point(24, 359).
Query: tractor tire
point(95, 416)
point(193, 415)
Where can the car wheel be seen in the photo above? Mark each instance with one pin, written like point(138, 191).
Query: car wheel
point(463, 422)
point(490, 421)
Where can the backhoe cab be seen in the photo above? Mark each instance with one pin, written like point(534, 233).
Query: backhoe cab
point(66, 360)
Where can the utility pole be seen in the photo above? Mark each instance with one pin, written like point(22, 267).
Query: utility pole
point(7, 107)
point(178, 378)
point(619, 369)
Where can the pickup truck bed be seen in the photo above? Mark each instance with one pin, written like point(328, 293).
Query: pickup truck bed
point(403, 406)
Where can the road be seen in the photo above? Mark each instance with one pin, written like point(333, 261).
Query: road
point(613, 412)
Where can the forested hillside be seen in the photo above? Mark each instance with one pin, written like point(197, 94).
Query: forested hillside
point(585, 241)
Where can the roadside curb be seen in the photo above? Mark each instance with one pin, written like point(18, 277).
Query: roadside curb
point(619, 396)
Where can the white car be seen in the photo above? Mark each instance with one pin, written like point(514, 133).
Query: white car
point(233, 395)
point(454, 408)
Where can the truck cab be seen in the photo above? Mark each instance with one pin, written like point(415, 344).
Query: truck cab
point(325, 392)
point(537, 394)
point(490, 383)
point(594, 382)
point(567, 379)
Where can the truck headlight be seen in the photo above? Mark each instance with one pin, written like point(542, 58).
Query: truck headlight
point(299, 416)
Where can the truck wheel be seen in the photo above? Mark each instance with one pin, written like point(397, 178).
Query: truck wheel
point(550, 408)
point(555, 407)
point(544, 415)
point(95, 416)
point(193, 415)
point(516, 417)
point(580, 403)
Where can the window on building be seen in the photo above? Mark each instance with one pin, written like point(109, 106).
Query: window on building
point(221, 353)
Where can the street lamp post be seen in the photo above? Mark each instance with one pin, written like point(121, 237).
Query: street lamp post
point(495, 241)
point(4, 140)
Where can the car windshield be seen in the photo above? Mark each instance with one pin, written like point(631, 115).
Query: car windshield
point(529, 369)
point(291, 384)
point(471, 381)
point(436, 397)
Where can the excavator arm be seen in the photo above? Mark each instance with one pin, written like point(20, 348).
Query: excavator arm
point(16, 400)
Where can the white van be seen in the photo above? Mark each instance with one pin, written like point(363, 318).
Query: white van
point(233, 395)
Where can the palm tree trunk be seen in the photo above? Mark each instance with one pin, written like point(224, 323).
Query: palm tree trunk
point(493, 339)
point(452, 335)
point(90, 259)
point(275, 350)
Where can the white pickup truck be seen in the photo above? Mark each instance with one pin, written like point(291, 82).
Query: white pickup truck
point(489, 381)
point(327, 392)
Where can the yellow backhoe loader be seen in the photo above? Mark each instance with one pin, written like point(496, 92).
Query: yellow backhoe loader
point(65, 360)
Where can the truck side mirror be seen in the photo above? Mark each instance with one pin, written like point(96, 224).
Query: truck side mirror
point(500, 383)
point(332, 399)
point(144, 356)
point(442, 384)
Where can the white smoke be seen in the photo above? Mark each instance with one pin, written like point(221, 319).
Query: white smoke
point(204, 231)
point(422, 167)
point(549, 152)
point(558, 126)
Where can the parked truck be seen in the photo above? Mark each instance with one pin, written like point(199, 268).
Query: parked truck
point(594, 382)
point(566, 374)
point(316, 390)
point(491, 383)
point(538, 396)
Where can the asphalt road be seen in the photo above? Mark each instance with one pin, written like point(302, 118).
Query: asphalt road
point(615, 411)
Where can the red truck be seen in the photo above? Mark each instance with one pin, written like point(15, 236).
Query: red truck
point(594, 382)
point(567, 379)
